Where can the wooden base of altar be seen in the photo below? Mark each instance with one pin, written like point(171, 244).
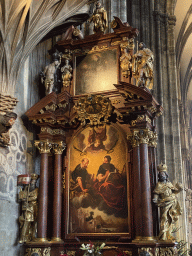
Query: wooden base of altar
point(112, 249)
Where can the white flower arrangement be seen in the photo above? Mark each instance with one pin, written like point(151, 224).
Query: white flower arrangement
point(92, 249)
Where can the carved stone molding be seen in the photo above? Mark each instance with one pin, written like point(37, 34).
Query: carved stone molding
point(93, 108)
point(59, 147)
point(43, 146)
point(167, 251)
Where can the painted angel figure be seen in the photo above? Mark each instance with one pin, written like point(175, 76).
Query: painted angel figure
point(99, 18)
point(142, 66)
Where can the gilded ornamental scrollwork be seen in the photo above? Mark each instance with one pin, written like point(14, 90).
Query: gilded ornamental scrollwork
point(59, 147)
point(145, 251)
point(167, 251)
point(43, 146)
point(47, 251)
point(93, 108)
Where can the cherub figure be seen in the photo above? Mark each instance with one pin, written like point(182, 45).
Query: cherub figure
point(142, 66)
point(99, 18)
point(165, 198)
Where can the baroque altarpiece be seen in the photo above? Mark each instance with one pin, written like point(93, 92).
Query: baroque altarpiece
point(97, 143)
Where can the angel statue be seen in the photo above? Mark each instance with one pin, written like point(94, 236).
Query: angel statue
point(99, 19)
point(48, 75)
point(165, 198)
point(66, 73)
point(142, 66)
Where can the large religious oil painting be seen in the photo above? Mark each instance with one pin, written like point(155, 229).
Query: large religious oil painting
point(98, 182)
point(96, 71)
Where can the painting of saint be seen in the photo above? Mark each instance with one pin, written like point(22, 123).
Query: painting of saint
point(98, 182)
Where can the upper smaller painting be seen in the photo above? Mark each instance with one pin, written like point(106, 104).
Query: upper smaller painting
point(96, 71)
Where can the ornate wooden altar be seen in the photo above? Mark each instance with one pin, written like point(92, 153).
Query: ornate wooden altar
point(99, 113)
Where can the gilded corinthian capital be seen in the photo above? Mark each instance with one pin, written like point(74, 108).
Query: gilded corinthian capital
point(140, 137)
point(153, 139)
point(43, 146)
point(59, 147)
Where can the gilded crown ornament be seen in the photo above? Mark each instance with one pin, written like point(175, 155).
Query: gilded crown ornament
point(162, 167)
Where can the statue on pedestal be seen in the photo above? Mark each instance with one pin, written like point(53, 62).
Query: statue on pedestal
point(99, 19)
point(165, 198)
point(48, 75)
point(28, 218)
point(125, 62)
point(143, 66)
point(66, 73)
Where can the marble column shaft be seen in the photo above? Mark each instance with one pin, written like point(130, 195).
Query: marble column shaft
point(57, 192)
point(44, 148)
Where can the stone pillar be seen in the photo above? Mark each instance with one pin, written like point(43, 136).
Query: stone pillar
point(57, 191)
point(44, 148)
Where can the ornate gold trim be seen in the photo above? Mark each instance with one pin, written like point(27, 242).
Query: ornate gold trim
point(128, 253)
point(71, 253)
point(43, 146)
point(145, 249)
point(153, 139)
point(167, 251)
point(56, 240)
point(93, 108)
point(139, 137)
point(41, 240)
point(47, 251)
point(52, 131)
point(59, 147)
point(51, 107)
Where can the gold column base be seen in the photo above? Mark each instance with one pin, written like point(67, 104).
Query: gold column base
point(144, 239)
point(56, 240)
point(40, 240)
